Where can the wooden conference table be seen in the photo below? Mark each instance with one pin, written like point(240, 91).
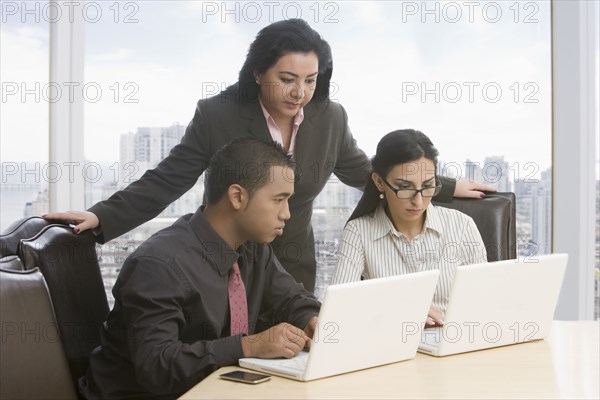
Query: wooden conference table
point(565, 366)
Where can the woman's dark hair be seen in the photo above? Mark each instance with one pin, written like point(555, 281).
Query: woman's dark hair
point(276, 40)
point(397, 147)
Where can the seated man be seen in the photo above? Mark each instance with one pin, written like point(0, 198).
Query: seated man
point(181, 310)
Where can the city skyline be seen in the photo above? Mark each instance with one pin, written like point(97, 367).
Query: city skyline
point(147, 146)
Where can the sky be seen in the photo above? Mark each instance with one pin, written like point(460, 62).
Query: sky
point(474, 76)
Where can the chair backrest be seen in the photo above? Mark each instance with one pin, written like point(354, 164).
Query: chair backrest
point(495, 217)
point(24, 228)
point(11, 262)
point(70, 267)
point(33, 364)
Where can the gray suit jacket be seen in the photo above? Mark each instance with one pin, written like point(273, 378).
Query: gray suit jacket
point(324, 145)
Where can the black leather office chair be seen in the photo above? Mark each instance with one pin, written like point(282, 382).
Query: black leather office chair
point(12, 236)
point(33, 364)
point(11, 263)
point(495, 217)
point(24, 228)
point(70, 268)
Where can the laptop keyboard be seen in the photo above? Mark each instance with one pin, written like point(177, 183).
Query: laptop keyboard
point(432, 336)
point(297, 363)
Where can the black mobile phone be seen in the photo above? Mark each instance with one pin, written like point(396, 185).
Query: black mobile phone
point(245, 377)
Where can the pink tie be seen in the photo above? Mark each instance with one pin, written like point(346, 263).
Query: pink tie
point(238, 307)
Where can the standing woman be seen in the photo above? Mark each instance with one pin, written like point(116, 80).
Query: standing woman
point(283, 94)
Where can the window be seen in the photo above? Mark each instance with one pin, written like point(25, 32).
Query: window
point(597, 90)
point(474, 76)
point(26, 94)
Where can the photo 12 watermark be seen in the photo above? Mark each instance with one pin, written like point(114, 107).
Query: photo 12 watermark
point(54, 92)
point(269, 11)
point(469, 92)
point(54, 11)
point(53, 172)
point(288, 90)
point(492, 172)
point(453, 12)
point(490, 332)
point(13, 332)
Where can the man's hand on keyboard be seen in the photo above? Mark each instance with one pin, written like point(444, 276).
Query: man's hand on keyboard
point(283, 340)
point(309, 330)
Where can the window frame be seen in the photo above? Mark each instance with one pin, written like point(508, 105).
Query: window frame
point(574, 111)
point(66, 115)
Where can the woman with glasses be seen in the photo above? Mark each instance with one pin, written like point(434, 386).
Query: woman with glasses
point(396, 230)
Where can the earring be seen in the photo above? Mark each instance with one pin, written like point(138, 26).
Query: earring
point(381, 196)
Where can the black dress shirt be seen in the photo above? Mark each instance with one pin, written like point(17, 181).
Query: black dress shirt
point(169, 327)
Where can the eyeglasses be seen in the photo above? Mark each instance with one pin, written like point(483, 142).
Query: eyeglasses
point(428, 191)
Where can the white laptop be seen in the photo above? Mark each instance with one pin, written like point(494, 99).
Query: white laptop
point(361, 325)
point(497, 304)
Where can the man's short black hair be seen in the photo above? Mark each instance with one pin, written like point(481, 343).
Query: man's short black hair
point(244, 161)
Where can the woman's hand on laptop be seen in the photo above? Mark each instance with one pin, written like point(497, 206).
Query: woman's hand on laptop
point(435, 317)
point(282, 340)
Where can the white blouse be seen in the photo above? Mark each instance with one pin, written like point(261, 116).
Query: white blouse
point(373, 248)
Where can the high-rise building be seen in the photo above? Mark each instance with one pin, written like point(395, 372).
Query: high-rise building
point(541, 213)
point(141, 151)
point(39, 206)
point(145, 149)
point(337, 195)
point(495, 172)
point(473, 171)
point(597, 271)
point(523, 192)
point(331, 210)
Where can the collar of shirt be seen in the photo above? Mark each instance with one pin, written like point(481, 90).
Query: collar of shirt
point(276, 132)
point(433, 220)
point(384, 225)
point(222, 255)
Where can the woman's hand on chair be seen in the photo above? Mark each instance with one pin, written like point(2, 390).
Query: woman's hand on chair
point(83, 220)
point(471, 189)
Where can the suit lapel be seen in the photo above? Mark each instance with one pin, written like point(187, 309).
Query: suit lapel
point(257, 125)
point(305, 139)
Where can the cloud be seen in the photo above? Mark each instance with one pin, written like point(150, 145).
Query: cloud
point(119, 55)
point(368, 12)
point(24, 71)
point(374, 56)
